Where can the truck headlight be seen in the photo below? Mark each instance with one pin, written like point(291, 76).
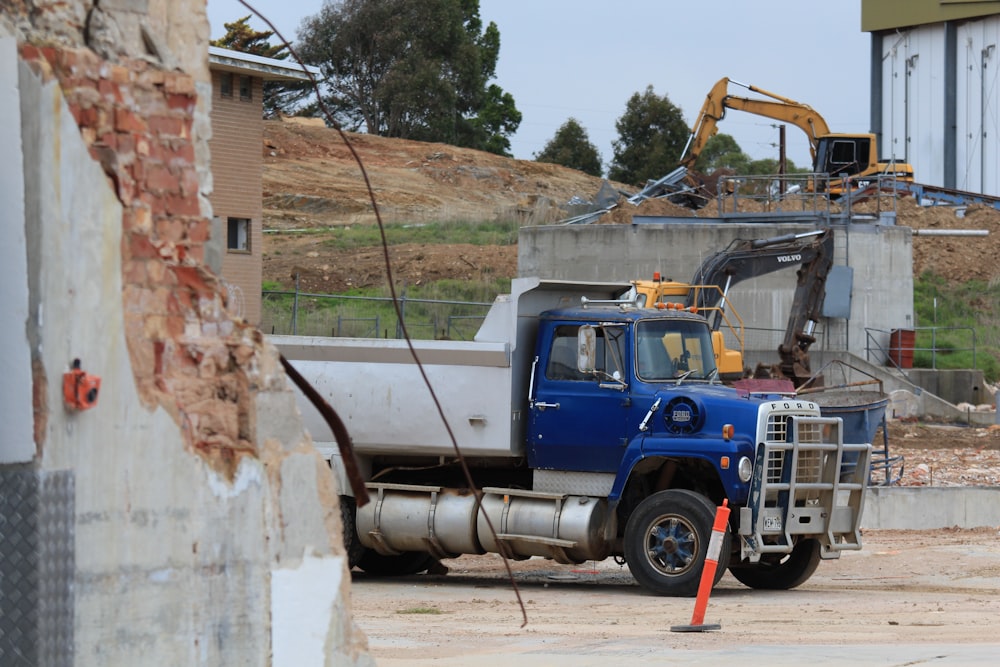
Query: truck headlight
point(745, 469)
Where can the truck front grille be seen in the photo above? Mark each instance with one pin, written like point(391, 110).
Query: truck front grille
point(810, 461)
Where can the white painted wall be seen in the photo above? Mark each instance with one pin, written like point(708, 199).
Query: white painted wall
point(914, 97)
point(16, 436)
point(978, 102)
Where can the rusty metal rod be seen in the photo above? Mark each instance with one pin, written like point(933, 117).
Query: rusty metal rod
point(339, 432)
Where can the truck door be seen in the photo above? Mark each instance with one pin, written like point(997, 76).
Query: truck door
point(578, 419)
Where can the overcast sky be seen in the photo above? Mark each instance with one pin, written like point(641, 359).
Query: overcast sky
point(585, 58)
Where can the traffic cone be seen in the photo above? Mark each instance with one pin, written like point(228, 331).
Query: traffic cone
point(719, 529)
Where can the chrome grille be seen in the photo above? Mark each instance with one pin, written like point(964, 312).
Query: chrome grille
point(777, 428)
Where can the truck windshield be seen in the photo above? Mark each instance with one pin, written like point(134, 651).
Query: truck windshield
point(667, 349)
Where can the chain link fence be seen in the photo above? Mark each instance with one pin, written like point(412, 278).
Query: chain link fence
point(304, 314)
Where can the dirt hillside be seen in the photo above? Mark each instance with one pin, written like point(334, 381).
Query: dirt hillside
point(312, 182)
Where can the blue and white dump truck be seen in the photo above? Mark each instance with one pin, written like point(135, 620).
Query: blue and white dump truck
point(592, 429)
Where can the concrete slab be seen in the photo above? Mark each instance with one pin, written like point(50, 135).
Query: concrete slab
point(923, 508)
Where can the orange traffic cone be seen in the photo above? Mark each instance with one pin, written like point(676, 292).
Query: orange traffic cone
point(719, 529)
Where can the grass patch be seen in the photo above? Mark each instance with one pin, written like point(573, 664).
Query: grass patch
point(958, 325)
point(420, 610)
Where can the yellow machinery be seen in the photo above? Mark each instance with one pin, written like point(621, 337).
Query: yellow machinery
point(850, 156)
point(668, 294)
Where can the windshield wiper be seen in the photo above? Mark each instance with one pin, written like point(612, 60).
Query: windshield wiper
point(683, 376)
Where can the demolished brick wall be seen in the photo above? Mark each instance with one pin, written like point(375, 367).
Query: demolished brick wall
point(188, 355)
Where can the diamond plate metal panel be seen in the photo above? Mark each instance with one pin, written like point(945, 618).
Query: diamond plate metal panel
point(36, 567)
point(56, 568)
point(19, 500)
point(574, 483)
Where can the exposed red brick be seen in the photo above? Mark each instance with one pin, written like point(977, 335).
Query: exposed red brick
point(137, 121)
point(181, 102)
point(39, 401)
point(182, 153)
point(29, 51)
point(196, 278)
point(127, 121)
point(199, 231)
point(110, 91)
point(168, 126)
point(182, 205)
point(141, 246)
point(160, 179)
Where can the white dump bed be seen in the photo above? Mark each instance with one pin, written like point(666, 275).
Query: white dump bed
point(377, 389)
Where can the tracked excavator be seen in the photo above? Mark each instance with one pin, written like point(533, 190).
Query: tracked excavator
point(743, 259)
point(853, 156)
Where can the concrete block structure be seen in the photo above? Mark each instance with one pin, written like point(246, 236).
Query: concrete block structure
point(165, 518)
point(878, 288)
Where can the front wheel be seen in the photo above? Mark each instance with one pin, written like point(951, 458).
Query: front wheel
point(779, 572)
point(666, 540)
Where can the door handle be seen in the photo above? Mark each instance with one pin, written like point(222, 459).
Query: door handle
point(543, 406)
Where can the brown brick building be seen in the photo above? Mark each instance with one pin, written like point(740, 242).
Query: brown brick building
point(237, 163)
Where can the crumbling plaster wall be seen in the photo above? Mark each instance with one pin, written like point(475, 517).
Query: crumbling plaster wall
point(206, 527)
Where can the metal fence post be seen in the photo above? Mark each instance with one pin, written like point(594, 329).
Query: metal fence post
point(295, 307)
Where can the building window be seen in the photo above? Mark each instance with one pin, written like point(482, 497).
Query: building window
point(246, 88)
point(238, 236)
point(226, 84)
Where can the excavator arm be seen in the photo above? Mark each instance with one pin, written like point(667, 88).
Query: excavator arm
point(853, 157)
point(744, 259)
point(777, 107)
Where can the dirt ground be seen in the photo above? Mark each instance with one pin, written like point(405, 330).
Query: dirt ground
point(908, 589)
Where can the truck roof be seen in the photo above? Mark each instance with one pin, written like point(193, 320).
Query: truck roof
point(605, 313)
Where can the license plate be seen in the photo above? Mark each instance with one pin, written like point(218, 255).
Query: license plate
point(772, 523)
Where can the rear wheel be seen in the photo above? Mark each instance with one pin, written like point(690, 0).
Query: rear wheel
point(352, 545)
point(666, 540)
point(781, 571)
point(408, 562)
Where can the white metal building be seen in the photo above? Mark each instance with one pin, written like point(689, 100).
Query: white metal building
point(935, 88)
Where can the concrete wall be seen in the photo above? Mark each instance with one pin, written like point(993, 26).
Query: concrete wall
point(880, 256)
point(186, 519)
point(927, 508)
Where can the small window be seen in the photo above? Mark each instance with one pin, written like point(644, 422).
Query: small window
point(226, 84)
point(246, 88)
point(238, 235)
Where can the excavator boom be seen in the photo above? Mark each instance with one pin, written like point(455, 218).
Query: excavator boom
point(854, 156)
point(744, 259)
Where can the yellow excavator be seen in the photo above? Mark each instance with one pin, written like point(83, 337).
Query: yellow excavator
point(670, 294)
point(852, 157)
point(708, 291)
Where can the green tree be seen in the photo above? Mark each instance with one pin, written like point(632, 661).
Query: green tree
point(241, 37)
point(418, 69)
point(278, 96)
point(571, 148)
point(651, 135)
point(722, 152)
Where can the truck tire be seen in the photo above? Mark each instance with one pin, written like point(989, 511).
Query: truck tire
point(352, 545)
point(408, 562)
point(779, 572)
point(666, 540)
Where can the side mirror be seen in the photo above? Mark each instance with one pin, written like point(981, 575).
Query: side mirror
point(586, 349)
